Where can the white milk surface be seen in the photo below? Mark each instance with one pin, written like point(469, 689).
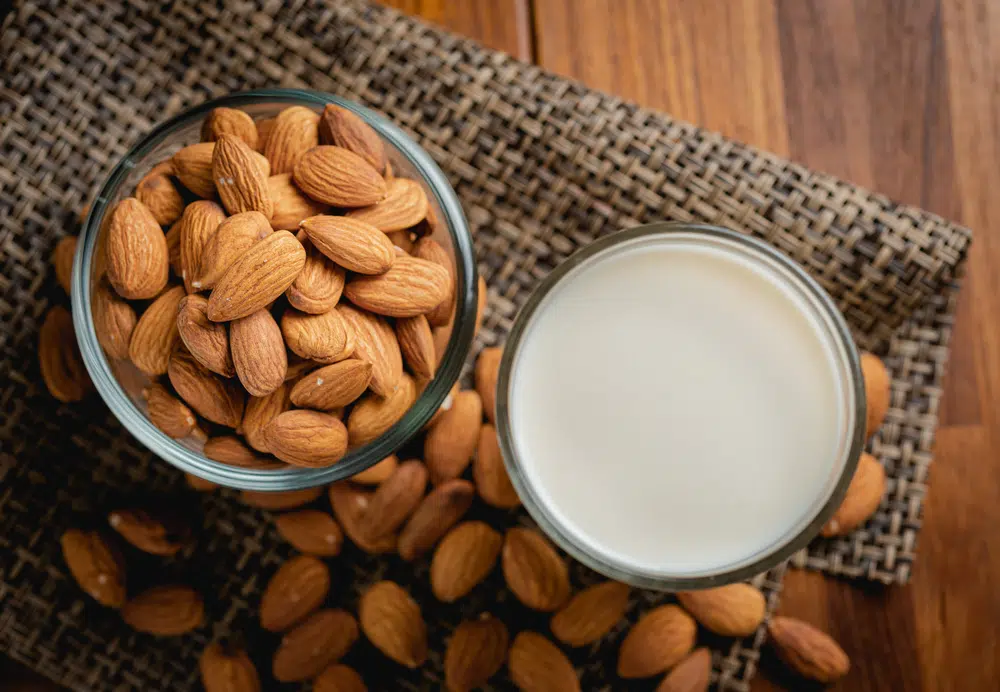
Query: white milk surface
point(676, 408)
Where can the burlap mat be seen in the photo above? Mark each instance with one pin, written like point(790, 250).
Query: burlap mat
point(542, 165)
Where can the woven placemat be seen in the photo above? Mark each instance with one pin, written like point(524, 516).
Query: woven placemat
point(542, 165)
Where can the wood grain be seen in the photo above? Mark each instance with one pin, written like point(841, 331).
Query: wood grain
point(500, 24)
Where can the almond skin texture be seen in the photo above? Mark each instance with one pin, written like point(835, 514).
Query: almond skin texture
point(690, 675)
point(165, 611)
point(434, 517)
point(325, 338)
point(320, 640)
point(220, 401)
point(394, 500)
point(476, 651)
point(657, 642)
point(343, 128)
point(863, 497)
point(735, 610)
point(338, 177)
point(537, 665)
point(877, 389)
point(168, 413)
point(490, 474)
point(229, 449)
point(373, 415)
point(449, 445)
point(59, 358)
point(258, 277)
point(391, 620)
point(233, 237)
point(466, 555)
point(591, 614)
point(429, 249)
point(155, 334)
point(258, 352)
point(354, 245)
point(114, 321)
point(289, 499)
point(318, 286)
point(377, 473)
point(809, 652)
point(150, 534)
point(417, 345)
point(409, 288)
point(136, 249)
point(229, 121)
point(294, 131)
point(296, 590)
point(349, 506)
point(290, 205)
point(311, 532)
point(264, 128)
point(333, 386)
point(200, 222)
point(306, 438)
point(534, 571)
point(227, 670)
point(207, 341)
point(405, 205)
point(62, 261)
point(487, 370)
point(242, 185)
point(162, 199)
point(339, 678)
point(193, 165)
point(97, 567)
point(375, 342)
point(260, 411)
point(173, 238)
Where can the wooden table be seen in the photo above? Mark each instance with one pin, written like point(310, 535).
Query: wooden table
point(902, 97)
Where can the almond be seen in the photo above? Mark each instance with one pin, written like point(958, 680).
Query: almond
point(375, 342)
point(173, 238)
point(475, 652)
point(534, 571)
point(258, 352)
point(490, 474)
point(97, 567)
point(200, 484)
point(354, 245)
point(378, 473)
point(318, 286)
point(394, 500)
point(62, 262)
point(809, 652)
point(344, 128)
point(333, 386)
point(863, 497)
point(59, 358)
point(220, 401)
point(114, 321)
point(487, 371)
point(374, 415)
point(402, 240)
point(877, 391)
point(349, 506)
point(299, 367)
point(260, 411)
point(339, 678)
point(657, 642)
point(257, 277)
point(207, 341)
point(294, 131)
point(165, 611)
point(445, 406)
point(264, 128)
point(338, 177)
point(155, 334)
point(537, 665)
point(200, 221)
point(321, 639)
point(734, 610)
point(242, 185)
point(167, 412)
point(162, 199)
point(296, 590)
point(409, 288)
point(465, 556)
point(156, 535)
point(391, 620)
point(288, 499)
point(311, 532)
point(233, 237)
point(449, 445)
point(229, 449)
point(193, 166)
point(229, 121)
point(306, 438)
point(591, 614)
point(224, 669)
point(136, 251)
point(405, 205)
point(326, 338)
point(434, 517)
point(690, 675)
point(417, 345)
point(291, 207)
point(429, 249)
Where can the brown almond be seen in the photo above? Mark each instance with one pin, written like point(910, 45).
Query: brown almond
point(173, 238)
point(162, 199)
point(291, 206)
point(261, 410)
point(306, 438)
point(318, 641)
point(114, 321)
point(326, 338)
point(156, 535)
point(429, 249)
point(62, 262)
point(155, 334)
point(200, 484)
point(296, 590)
point(537, 665)
point(657, 642)
point(475, 652)
point(339, 678)
point(863, 497)
point(394, 500)
point(434, 517)
point(165, 611)
point(207, 341)
point(449, 445)
point(349, 505)
point(375, 342)
point(299, 367)
point(137, 261)
point(333, 386)
point(534, 571)
point(258, 352)
point(311, 532)
point(487, 370)
point(95, 564)
point(230, 449)
point(338, 177)
point(264, 128)
point(690, 675)
point(354, 245)
point(405, 205)
point(402, 240)
point(167, 412)
point(193, 166)
point(288, 499)
point(59, 358)
point(734, 610)
point(808, 651)
point(229, 121)
point(220, 401)
point(391, 620)
point(417, 345)
point(226, 669)
point(318, 286)
point(378, 473)
point(490, 474)
point(200, 221)
point(409, 288)
point(257, 277)
point(241, 183)
point(445, 406)
point(373, 415)
point(591, 614)
point(465, 556)
point(877, 391)
point(344, 128)
point(233, 237)
point(294, 131)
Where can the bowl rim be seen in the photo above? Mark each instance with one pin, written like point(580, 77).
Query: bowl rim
point(290, 478)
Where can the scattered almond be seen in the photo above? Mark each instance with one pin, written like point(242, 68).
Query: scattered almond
point(229, 121)
point(690, 675)
point(306, 438)
point(201, 220)
point(193, 166)
point(258, 352)
point(863, 497)
point(114, 321)
point(167, 412)
point(220, 401)
point(534, 571)
point(97, 567)
point(225, 669)
point(465, 556)
point(475, 652)
point(162, 199)
point(343, 128)
point(59, 358)
point(808, 651)
point(261, 410)
point(165, 611)
point(62, 262)
point(417, 345)
point(296, 590)
point(591, 614)
point(434, 517)
point(373, 415)
point(257, 277)
point(349, 506)
point(242, 185)
point(375, 342)
point(657, 642)
point(877, 391)
point(378, 473)
point(229, 449)
point(311, 532)
point(200, 484)
point(354, 245)
point(156, 535)
point(405, 205)
point(409, 288)
point(487, 370)
point(333, 386)
point(445, 406)
point(318, 641)
point(204, 339)
point(234, 236)
point(449, 445)
point(537, 665)
point(155, 334)
point(288, 499)
point(338, 177)
point(490, 474)
point(339, 678)
point(391, 620)
point(294, 131)
point(734, 610)
point(291, 207)
point(394, 500)
point(429, 249)
point(326, 338)
point(137, 261)
point(318, 286)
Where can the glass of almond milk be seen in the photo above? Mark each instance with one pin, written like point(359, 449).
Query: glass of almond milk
point(680, 406)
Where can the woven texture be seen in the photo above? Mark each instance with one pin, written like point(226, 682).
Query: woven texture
point(542, 165)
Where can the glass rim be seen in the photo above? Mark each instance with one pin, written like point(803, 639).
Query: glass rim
point(291, 477)
point(853, 441)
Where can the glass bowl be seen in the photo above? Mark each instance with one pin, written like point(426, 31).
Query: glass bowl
point(120, 384)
